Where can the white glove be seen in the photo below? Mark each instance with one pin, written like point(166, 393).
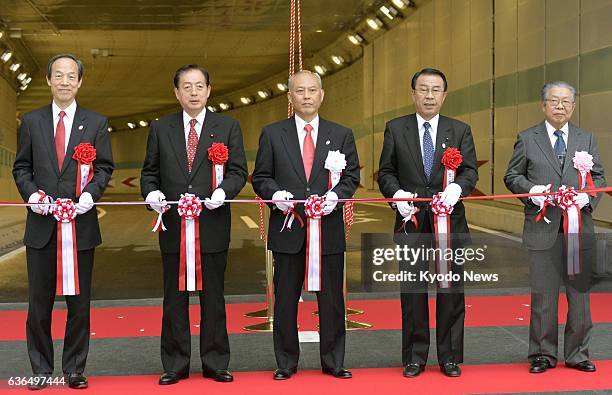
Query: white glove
point(539, 200)
point(404, 208)
point(330, 203)
point(582, 199)
point(39, 209)
point(85, 203)
point(283, 195)
point(157, 201)
point(450, 195)
point(215, 200)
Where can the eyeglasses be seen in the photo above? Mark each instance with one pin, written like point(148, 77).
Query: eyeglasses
point(554, 102)
point(434, 91)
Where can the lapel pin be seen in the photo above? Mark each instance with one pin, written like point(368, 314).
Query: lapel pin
point(327, 142)
point(80, 127)
point(212, 135)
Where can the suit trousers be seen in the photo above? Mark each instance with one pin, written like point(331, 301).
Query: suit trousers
point(42, 275)
point(547, 273)
point(289, 272)
point(176, 335)
point(450, 313)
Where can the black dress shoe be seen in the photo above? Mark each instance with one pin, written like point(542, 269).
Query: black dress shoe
point(339, 374)
point(284, 374)
point(584, 366)
point(221, 375)
point(450, 369)
point(77, 381)
point(39, 381)
point(413, 369)
point(540, 365)
point(171, 378)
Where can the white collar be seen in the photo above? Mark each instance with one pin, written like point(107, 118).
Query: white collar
point(300, 123)
point(433, 122)
point(551, 129)
point(70, 110)
point(200, 118)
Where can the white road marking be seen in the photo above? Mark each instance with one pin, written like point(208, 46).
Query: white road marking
point(249, 222)
point(308, 336)
point(496, 233)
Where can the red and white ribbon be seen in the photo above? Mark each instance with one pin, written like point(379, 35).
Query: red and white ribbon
point(572, 228)
point(442, 230)
point(190, 266)
point(349, 218)
point(314, 211)
point(583, 162)
point(218, 154)
point(84, 154)
point(67, 275)
point(218, 171)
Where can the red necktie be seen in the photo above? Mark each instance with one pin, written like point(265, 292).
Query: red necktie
point(308, 151)
point(192, 143)
point(60, 140)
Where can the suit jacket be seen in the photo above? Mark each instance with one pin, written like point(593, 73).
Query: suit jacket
point(165, 169)
point(534, 163)
point(401, 167)
point(279, 166)
point(36, 167)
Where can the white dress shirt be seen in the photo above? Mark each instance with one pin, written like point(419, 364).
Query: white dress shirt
point(300, 124)
point(68, 120)
point(434, 129)
point(198, 126)
point(551, 133)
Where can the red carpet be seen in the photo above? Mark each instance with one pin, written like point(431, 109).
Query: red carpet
point(475, 379)
point(383, 314)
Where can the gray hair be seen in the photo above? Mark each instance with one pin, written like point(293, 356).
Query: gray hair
point(557, 84)
point(304, 72)
point(67, 56)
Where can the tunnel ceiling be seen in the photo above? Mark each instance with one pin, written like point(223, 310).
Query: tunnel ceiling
point(141, 43)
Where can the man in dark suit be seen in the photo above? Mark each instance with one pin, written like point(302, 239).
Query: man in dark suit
point(411, 161)
point(542, 160)
point(289, 166)
point(177, 163)
point(44, 169)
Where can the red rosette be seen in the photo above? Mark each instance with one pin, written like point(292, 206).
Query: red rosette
point(565, 197)
point(452, 158)
point(64, 210)
point(314, 206)
point(438, 208)
point(84, 153)
point(189, 206)
point(218, 153)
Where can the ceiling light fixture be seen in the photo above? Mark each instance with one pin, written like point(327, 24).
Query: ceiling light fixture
point(401, 4)
point(389, 12)
point(22, 76)
point(264, 94)
point(321, 70)
point(14, 67)
point(246, 100)
point(26, 81)
point(211, 108)
point(110, 129)
point(225, 106)
point(374, 23)
point(281, 87)
point(337, 59)
point(23, 87)
point(131, 125)
point(143, 123)
point(355, 38)
point(6, 56)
